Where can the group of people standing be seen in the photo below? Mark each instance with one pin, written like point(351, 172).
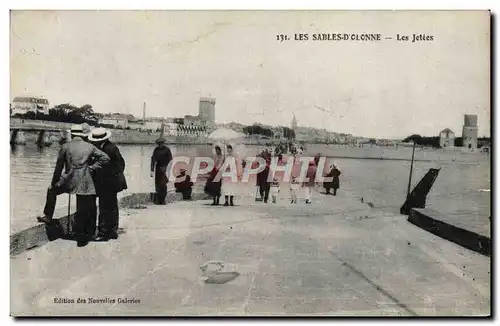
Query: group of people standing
point(215, 187)
point(267, 187)
point(91, 167)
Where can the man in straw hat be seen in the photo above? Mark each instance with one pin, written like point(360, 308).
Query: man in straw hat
point(80, 160)
point(159, 162)
point(109, 181)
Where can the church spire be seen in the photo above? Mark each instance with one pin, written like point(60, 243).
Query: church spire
point(294, 122)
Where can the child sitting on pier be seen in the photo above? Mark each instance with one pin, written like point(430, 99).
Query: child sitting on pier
point(184, 185)
point(294, 189)
point(275, 189)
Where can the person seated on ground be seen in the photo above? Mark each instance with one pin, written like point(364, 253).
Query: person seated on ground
point(184, 185)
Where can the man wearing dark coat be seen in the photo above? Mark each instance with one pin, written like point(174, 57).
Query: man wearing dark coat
point(159, 162)
point(81, 161)
point(109, 181)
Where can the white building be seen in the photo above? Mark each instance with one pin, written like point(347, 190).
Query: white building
point(446, 138)
point(119, 121)
point(152, 125)
point(171, 129)
point(23, 105)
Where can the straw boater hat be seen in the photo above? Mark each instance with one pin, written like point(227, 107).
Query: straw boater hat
point(77, 130)
point(86, 128)
point(99, 134)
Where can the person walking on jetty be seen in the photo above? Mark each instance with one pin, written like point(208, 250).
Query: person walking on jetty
point(159, 162)
point(184, 185)
point(335, 183)
point(230, 186)
point(262, 182)
point(80, 160)
point(213, 187)
point(109, 181)
point(309, 185)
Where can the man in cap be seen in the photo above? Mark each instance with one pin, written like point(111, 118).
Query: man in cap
point(159, 162)
point(80, 160)
point(109, 181)
point(184, 185)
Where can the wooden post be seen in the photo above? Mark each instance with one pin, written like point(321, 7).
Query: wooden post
point(411, 172)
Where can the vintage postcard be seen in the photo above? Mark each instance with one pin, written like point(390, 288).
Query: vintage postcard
point(250, 163)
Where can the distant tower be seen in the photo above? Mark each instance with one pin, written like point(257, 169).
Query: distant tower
point(144, 113)
point(469, 133)
point(294, 123)
point(207, 109)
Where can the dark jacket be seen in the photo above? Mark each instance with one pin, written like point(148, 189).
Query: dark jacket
point(335, 183)
point(262, 176)
point(111, 179)
point(81, 161)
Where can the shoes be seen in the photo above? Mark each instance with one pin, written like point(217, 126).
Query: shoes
point(308, 202)
point(226, 204)
point(113, 236)
point(101, 238)
point(214, 204)
point(82, 243)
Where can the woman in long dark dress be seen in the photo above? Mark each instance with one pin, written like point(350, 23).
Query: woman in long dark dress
point(335, 183)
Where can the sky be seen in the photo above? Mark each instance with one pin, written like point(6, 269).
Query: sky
point(116, 60)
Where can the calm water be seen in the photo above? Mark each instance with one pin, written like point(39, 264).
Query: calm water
point(382, 182)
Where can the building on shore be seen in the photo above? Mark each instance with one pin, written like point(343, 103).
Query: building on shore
point(119, 121)
point(469, 132)
point(135, 123)
point(206, 110)
point(24, 104)
point(446, 138)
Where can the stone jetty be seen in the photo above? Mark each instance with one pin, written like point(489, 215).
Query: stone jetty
point(336, 257)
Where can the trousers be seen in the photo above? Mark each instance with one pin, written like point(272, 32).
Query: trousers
point(85, 217)
point(108, 214)
point(264, 190)
point(50, 202)
point(161, 181)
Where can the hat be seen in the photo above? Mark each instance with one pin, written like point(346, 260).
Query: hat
point(86, 128)
point(77, 130)
point(99, 134)
point(160, 140)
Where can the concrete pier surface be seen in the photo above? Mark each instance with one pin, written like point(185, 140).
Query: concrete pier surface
point(336, 257)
